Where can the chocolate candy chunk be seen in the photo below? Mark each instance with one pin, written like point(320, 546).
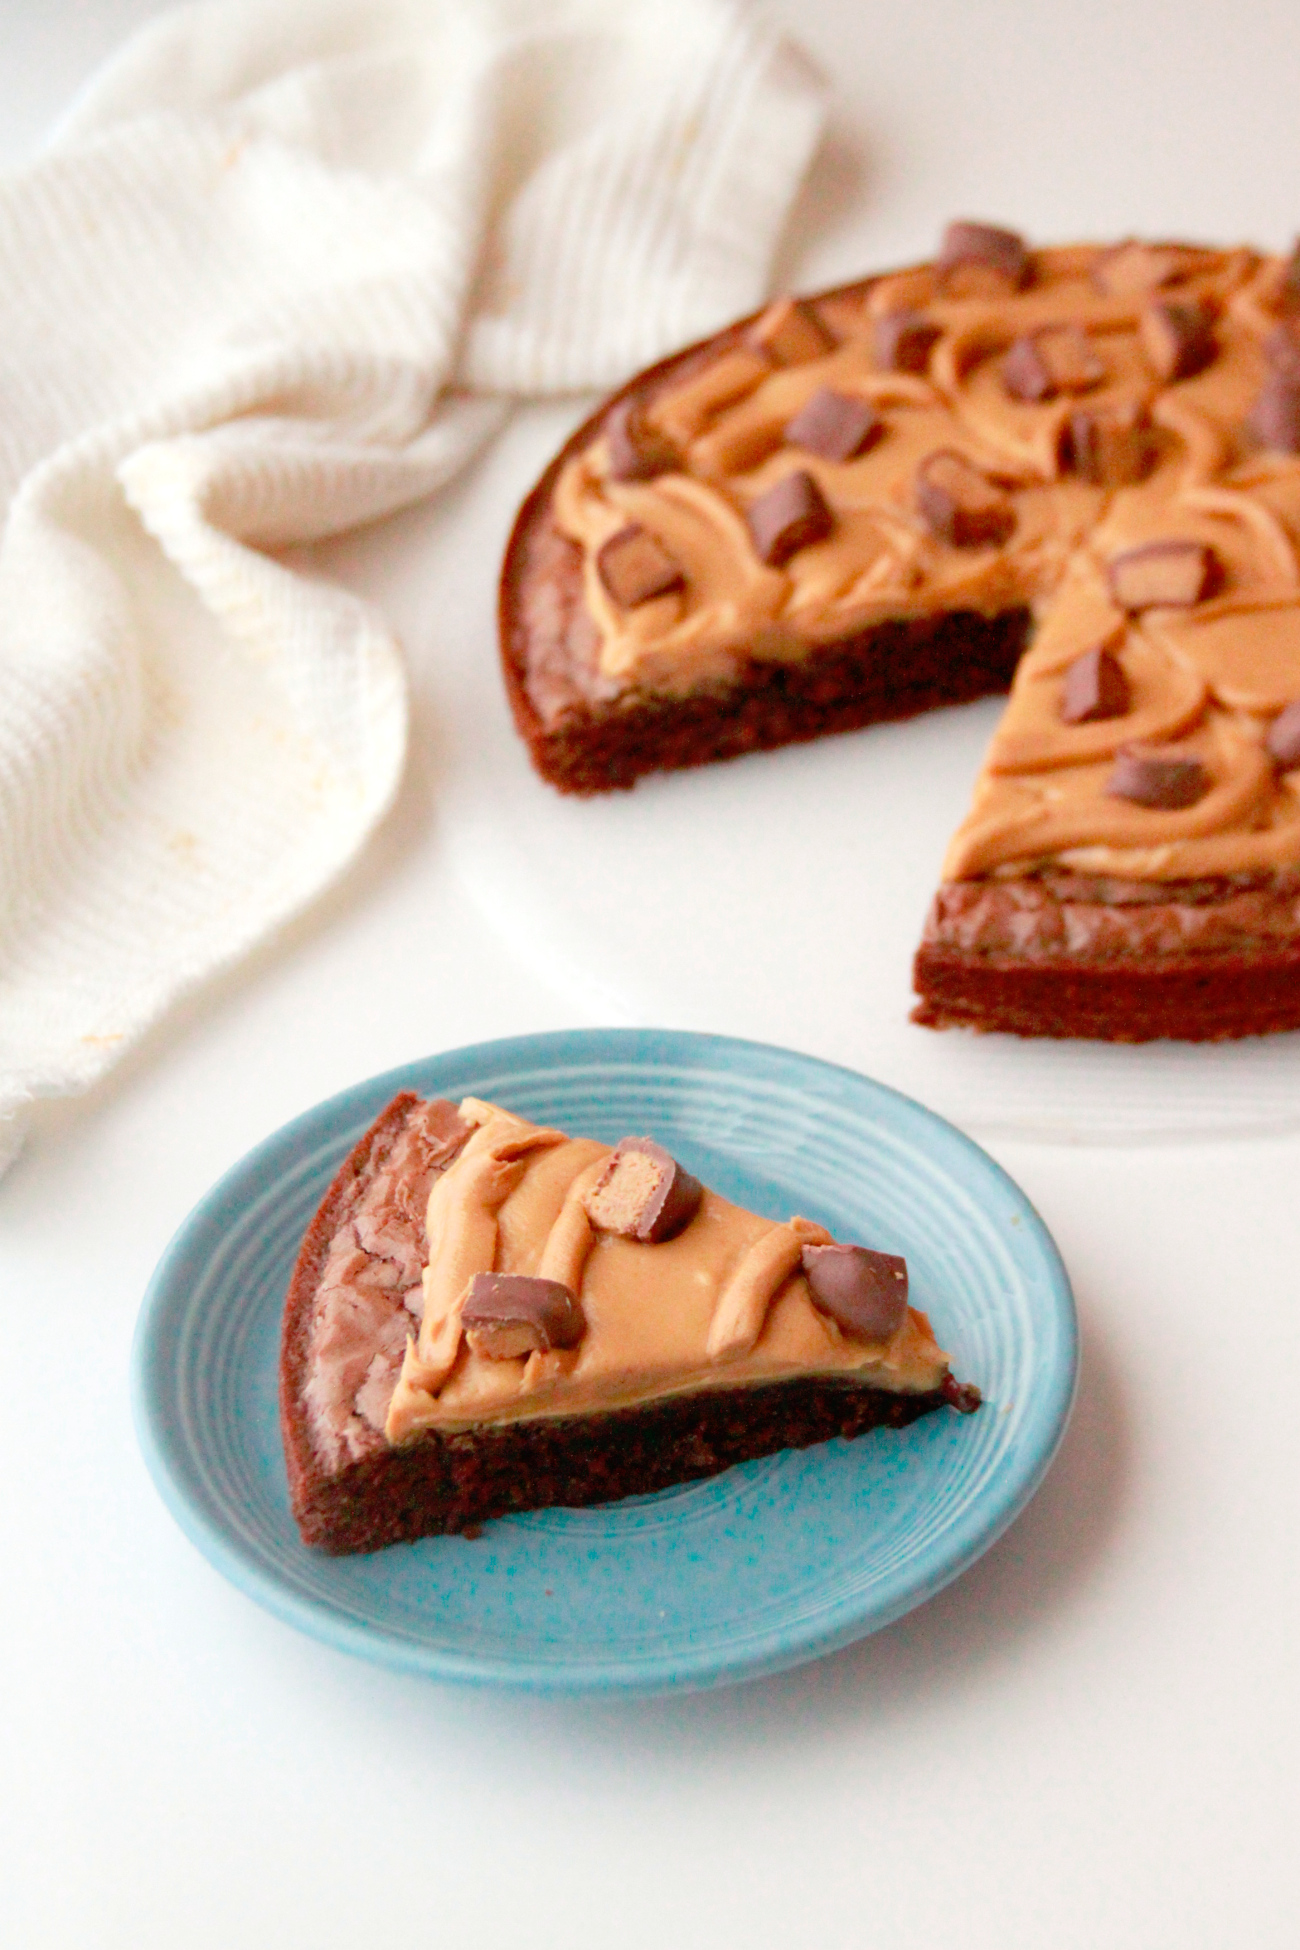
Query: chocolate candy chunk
point(1055, 359)
point(1289, 292)
point(1169, 575)
point(1110, 446)
point(637, 451)
point(959, 504)
point(791, 333)
point(836, 426)
point(977, 260)
point(1275, 417)
point(634, 567)
point(1282, 347)
point(903, 340)
point(643, 1193)
point(509, 1314)
point(790, 516)
point(1283, 740)
point(1151, 775)
point(1095, 687)
point(1131, 268)
point(865, 1292)
point(1177, 338)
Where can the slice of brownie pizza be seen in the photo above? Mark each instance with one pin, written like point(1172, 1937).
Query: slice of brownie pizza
point(487, 1315)
point(1072, 472)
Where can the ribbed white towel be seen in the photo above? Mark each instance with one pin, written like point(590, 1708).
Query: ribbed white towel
point(236, 294)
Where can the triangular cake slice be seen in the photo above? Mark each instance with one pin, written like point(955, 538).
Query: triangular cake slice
point(1073, 473)
point(488, 1315)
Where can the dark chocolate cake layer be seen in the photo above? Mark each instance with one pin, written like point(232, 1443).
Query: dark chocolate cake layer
point(1066, 956)
point(448, 1483)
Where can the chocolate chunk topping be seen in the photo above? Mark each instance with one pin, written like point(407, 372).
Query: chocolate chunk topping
point(791, 333)
point(1282, 348)
point(1095, 687)
point(836, 426)
point(865, 1292)
point(637, 451)
point(1055, 359)
point(977, 260)
point(1275, 416)
point(1151, 775)
point(634, 567)
point(643, 1193)
point(903, 339)
point(1283, 740)
point(790, 516)
point(1129, 269)
point(1172, 575)
point(509, 1314)
point(1110, 446)
point(959, 504)
point(1178, 338)
point(1289, 295)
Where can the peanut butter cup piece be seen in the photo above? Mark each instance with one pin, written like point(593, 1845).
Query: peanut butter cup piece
point(643, 1193)
point(637, 451)
point(506, 1315)
point(1129, 269)
point(863, 1291)
point(959, 504)
point(790, 516)
point(978, 260)
point(791, 333)
point(1110, 446)
point(634, 567)
point(835, 426)
point(902, 340)
point(1055, 359)
point(1283, 740)
point(1152, 775)
point(1095, 688)
point(1161, 575)
point(1275, 417)
point(1177, 337)
point(1282, 347)
point(1289, 291)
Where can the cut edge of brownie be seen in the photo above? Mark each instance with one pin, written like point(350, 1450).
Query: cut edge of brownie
point(444, 1484)
point(1064, 956)
point(1190, 998)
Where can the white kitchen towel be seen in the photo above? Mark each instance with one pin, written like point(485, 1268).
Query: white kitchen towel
point(278, 273)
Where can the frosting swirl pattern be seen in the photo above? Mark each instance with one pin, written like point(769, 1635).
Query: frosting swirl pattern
point(1109, 405)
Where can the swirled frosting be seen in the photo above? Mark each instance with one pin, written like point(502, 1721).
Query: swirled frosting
point(724, 1303)
point(1210, 675)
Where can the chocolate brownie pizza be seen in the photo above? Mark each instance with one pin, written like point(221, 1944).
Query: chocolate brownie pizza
point(1073, 473)
point(487, 1315)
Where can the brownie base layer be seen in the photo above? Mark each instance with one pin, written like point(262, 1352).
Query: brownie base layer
point(1189, 998)
point(897, 670)
point(301, 1461)
point(447, 1483)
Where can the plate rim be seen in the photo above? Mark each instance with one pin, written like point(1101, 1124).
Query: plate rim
point(161, 1442)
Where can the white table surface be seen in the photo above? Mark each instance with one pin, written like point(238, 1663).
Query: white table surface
point(1089, 1740)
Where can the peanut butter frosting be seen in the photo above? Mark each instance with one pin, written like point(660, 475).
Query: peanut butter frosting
point(721, 1303)
point(1113, 405)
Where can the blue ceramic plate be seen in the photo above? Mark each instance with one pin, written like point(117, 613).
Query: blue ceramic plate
point(769, 1564)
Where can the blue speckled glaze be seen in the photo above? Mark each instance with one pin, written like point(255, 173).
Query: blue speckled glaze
point(771, 1563)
